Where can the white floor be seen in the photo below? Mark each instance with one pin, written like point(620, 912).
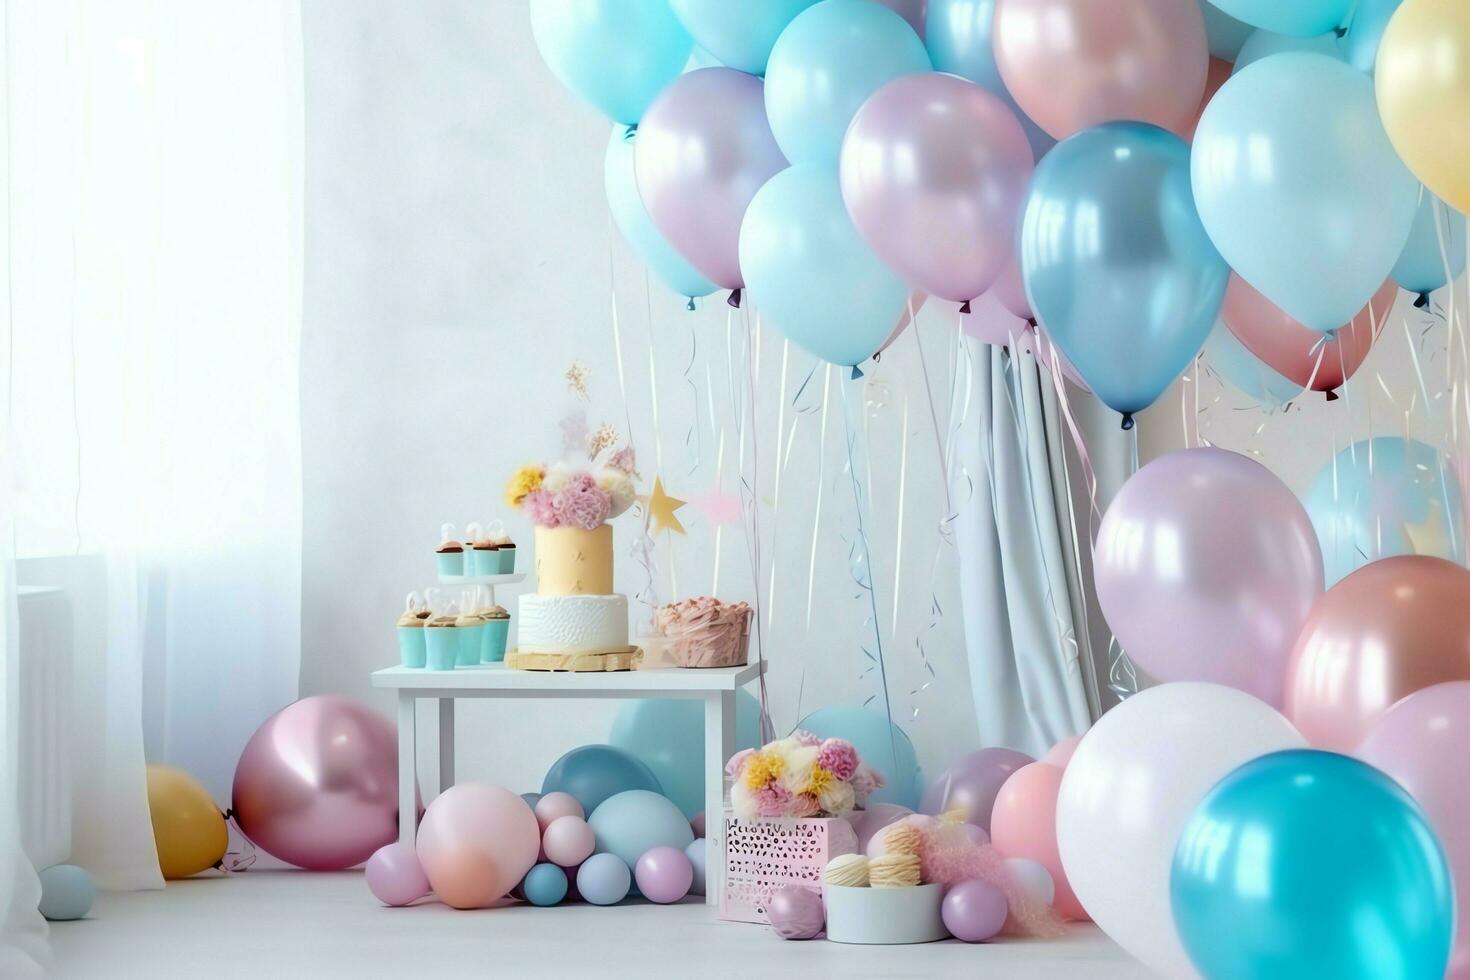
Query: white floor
point(289, 924)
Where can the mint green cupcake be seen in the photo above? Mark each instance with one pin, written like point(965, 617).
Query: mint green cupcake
point(412, 650)
point(441, 641)
point(497, 630)
point(470, 628)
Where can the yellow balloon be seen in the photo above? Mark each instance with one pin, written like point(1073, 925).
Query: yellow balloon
point(1422, 78)
point(188, 829)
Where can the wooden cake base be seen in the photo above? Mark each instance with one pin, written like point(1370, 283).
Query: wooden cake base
point(624, 658)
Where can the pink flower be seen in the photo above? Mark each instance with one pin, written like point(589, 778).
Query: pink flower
point(737, 763)
point(540, 505)
point(804, 737)
point(838, 757)
point(805, 805)
point(772, 801)
point(625, 460)
point(581, 503)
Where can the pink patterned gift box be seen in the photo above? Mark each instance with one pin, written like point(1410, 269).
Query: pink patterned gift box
point(762, 855)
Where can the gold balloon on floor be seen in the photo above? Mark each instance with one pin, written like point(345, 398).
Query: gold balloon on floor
point(1422, 79)
point(188, 828)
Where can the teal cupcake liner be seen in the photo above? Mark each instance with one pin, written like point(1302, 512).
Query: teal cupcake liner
point(492, 648)
point(484, 562)
point(442, 647)
point(450, 562)
point(411, 648)
point(505, 561)
point(468, 654)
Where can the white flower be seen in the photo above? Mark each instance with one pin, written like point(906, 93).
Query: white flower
point(558, 475)
point(742, 801)
point(800, 761)
point(838, 798)
point(619, 488)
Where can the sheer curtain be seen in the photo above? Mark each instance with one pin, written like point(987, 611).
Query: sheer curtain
point(153, 331)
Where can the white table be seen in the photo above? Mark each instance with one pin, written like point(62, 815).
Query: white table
point(716, 687)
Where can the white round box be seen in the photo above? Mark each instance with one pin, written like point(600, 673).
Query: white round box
point(884, 916)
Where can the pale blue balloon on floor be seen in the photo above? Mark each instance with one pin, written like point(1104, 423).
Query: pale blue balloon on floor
point(698, 854)
point(1225, 34)
point(883, 748)
point(1231, 360)
point(1432, 256)
point(1263, 44)
point(739, 34)
point(667, 734)
point(1385, 497)
point(604, 879)
point(592, 773)
point(545, 884)
point(637, 821)
point(1365, 30)
point(67, 892)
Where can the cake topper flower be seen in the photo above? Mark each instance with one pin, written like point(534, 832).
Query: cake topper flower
point(799, 776)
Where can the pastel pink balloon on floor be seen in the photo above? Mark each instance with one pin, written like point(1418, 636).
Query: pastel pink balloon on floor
point(1206, 568)
point(1024, 824)
point(490, 825)
point(1393, 627)
point(317, 784)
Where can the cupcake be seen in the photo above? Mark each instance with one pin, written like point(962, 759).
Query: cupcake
point(470, 627)
point(441, 639)
point(497, 630)
point(450, 552)
point(484, 554)
point(506, 552)
point(411, 649)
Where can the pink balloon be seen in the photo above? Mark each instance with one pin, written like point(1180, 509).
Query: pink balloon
point(568, 841)
point(916, 300)
point(1423, 742)
point(1024, 825)
point(933, 172)
point(664, 874)
point(991, 323)
point(696, 824)
point(1010, 291)
point(494, 826)
point(1217, 74)
point(1072, 64)
point(1206, 568)
point(317, 784)
point(556, 805)
point(703, 149)
point(1061, 753)
point(866, 823)
point(394, 875)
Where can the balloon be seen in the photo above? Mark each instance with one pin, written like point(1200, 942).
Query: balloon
point(957, 34)
point(1422, 79)
point(866, 823)
point(739, 35)
point(1033, 879)
point(934, 169)
point(883, 747)
point(664, 874)
point(614, 54)
point(604, 879)
point(317, 784)
point(1061, 753)
point(973, 783)
point(395, 876)
point(698, 854)
point(913, 12)
point(1116, 263)
point(1071, 64)
point(1365, 30)
point(916, 301)
point(545, 885)
point(1311, 864)
point(1215, 76)
point(593, 773)
point(1298, 187)
point(1302, 18)
point(1423, 742)
point(1296, 351)
point(809, 270)
point(974, 911)
point(637, 227)
point(555, 805)
point(825, 65)
point(667, 735)
point(568, 841)
point(703, 150)
point(1010, 292)
point(1386, 496)
point(1206, 567)
point(1391, 628)
point(489, 831)
point(1024, 824)
point(1130, 789)
point(637, 821)
point(1433, 256)
point(796, 912)
point(67, 893)
point(1233, 361)
point(1225, 34)
point(1264, 44)
point(189, 830)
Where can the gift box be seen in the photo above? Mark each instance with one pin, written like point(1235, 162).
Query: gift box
point(763, 854)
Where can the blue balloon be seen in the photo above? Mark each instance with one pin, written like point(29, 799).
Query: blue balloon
point(1385, 497)
point(1303, 18)
point(1115, 262)
point(698, 854)
point(1421, 267)
point(67, 892)
point(810, 271)
point(1365, 30)
point(593, 773)
point(545, 884)
point(1305, 864)
point(1263, 44)
point(1225, 33)
point(1233, 361)
point(883, 748)
point(667, 734)
point(633, 823)
point(823, 68)
point(1299, 188)
point(614, 54)
point(638, 228)
point(739, 34)
point(604, 879)
point(957, 34)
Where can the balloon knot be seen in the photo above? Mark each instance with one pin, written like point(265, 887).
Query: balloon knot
point(857, 372)
point(1421, 301)
point(1127, 421)
point(1031, 322)
point(965, 306)
point(734, 299)
point(690, 307)
point(1339, 32)
point(1332, 395)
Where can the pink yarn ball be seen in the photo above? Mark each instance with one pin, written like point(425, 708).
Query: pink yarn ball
point(920, 820)
point(394, 875)
point(568, 841)
point(473, 821)
point(554, 805)
point(664, 874)
point(866, 823)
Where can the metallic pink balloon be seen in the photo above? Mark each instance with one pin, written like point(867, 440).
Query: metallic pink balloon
point(1423, 742)
point(1206, 568)
point(1393, 627)
point(704, 148)
point(796, 912)
point(317, 784)
point(933, 171)
point(1072, 64)
point(1010, 292)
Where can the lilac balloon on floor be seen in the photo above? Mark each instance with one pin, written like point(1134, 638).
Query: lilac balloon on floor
point(394, 875)
point(796, 912)
point(974, 911)
point(1206, 568)
point(972, 784)
point(664, 874)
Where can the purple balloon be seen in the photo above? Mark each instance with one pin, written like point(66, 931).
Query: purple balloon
point(934, 170)
point(704, 148)
point(972, 784)
point(664, 874)
point(394, 875)
point(974, 911)
point(1206, 568)
point(866, 823)
point(796, 912)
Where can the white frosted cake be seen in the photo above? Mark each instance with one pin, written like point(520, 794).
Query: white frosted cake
point(574, 610)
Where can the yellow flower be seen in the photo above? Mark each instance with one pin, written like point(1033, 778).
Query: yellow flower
point(526, 479)
point(819, 782)
point(763, 768)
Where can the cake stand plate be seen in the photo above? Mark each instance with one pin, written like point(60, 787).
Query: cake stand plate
point(624, 658)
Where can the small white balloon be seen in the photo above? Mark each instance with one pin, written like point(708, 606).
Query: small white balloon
point(1033, 879)
point(696, 852)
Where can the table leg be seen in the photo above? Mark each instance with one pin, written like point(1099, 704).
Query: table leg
point(719, 745)
point(407, 767)
point(446, 743)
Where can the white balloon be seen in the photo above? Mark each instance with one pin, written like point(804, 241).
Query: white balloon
point(1131, 786)
point(1033, 879)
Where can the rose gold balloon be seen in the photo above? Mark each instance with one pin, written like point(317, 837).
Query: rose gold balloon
point(1071, 64)
point(1387, 630)
point(1308, 357)
point(1217, 75)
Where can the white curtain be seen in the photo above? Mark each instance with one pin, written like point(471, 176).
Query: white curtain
point(153, 333)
